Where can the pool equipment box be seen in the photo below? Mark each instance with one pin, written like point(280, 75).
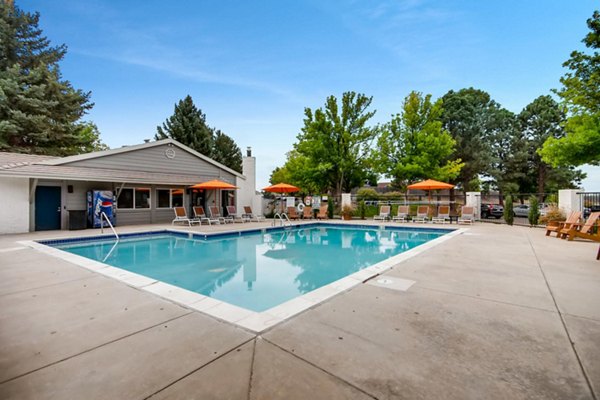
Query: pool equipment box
point(100, 201)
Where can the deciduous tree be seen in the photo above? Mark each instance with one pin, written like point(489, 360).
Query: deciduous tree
point(335, 142)
point(414, 144)
point(581, 94)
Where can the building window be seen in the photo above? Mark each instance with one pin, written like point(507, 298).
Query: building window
point(168, 198)
point(125, 199)
point(177, 197)
point(164, 198)
point(130, 198)
point(142, 197)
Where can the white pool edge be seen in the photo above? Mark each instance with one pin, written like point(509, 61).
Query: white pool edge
point(253, 321)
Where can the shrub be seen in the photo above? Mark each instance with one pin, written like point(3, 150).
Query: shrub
point(534, 211)
point(509, 214)
point(347, 211)
point(552, 199)
point(367, 194)
point(362, 209)
point(553, 214)
point(330, 209)
point(392, 195)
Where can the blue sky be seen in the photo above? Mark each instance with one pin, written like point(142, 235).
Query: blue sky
point(252, 67)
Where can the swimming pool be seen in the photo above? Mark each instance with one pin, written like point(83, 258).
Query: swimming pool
point(259, 271)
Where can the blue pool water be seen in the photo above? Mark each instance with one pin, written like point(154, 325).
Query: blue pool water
point(255, 271)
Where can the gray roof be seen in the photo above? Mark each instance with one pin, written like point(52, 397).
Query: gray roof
point(48, 167)
point(13, 160)
point(125, 149)
point(104, 175)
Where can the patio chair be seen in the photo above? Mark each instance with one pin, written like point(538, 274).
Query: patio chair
point(322, 213)
point(250, 215)
point(307, 213)
point(583, 231)
point(215, 214)
point(557, 226)
point(232, 213)
point(200, 216)
point(443, 215)
point(467, 215)
point(181, 216)
point(384, 213)
point(291, 213)
point(422, 214)
point(402, 215)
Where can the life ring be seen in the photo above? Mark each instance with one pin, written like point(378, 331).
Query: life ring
point(308, 200)
point(300, 207)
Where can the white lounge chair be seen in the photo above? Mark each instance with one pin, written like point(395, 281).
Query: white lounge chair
point(384, 213)
point(402, 214)
point(443, 215)
point(232, 213)
point(249, 214)
point(215, 214)
point(422, 214)
point(467, 215)
point(181, 216)
point(200, 216)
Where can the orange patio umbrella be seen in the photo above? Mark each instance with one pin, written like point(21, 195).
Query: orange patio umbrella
point(214, 184)
point(281, 188)
point(430, 185)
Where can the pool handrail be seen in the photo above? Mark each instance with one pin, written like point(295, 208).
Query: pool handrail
point(104, 216)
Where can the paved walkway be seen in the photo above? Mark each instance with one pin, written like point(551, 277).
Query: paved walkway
point(497, 313)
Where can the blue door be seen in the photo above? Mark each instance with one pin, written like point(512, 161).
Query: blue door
point(47, 208)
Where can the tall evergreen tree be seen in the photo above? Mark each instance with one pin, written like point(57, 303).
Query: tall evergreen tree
point(467, 115)
point(39, 110)
point(509, 156)
point(542, 119)
point(187, 125)
point(226, 151)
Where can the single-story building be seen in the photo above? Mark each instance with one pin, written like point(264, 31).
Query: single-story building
point(147, 181)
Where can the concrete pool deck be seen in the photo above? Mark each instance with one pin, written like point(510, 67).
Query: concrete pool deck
point(497, 312)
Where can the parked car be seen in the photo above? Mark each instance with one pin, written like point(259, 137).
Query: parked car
point(521, 210)
point(492, 210)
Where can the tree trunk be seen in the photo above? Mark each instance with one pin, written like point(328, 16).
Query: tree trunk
point(541, 181)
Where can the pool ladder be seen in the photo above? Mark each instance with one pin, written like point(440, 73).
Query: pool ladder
point(281, 218)
point(103, 216)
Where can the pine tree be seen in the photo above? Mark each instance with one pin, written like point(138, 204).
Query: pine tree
point(544, 118)
point(187, 125)
point(467, 115)
point(39, 110)
point(226, 151)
